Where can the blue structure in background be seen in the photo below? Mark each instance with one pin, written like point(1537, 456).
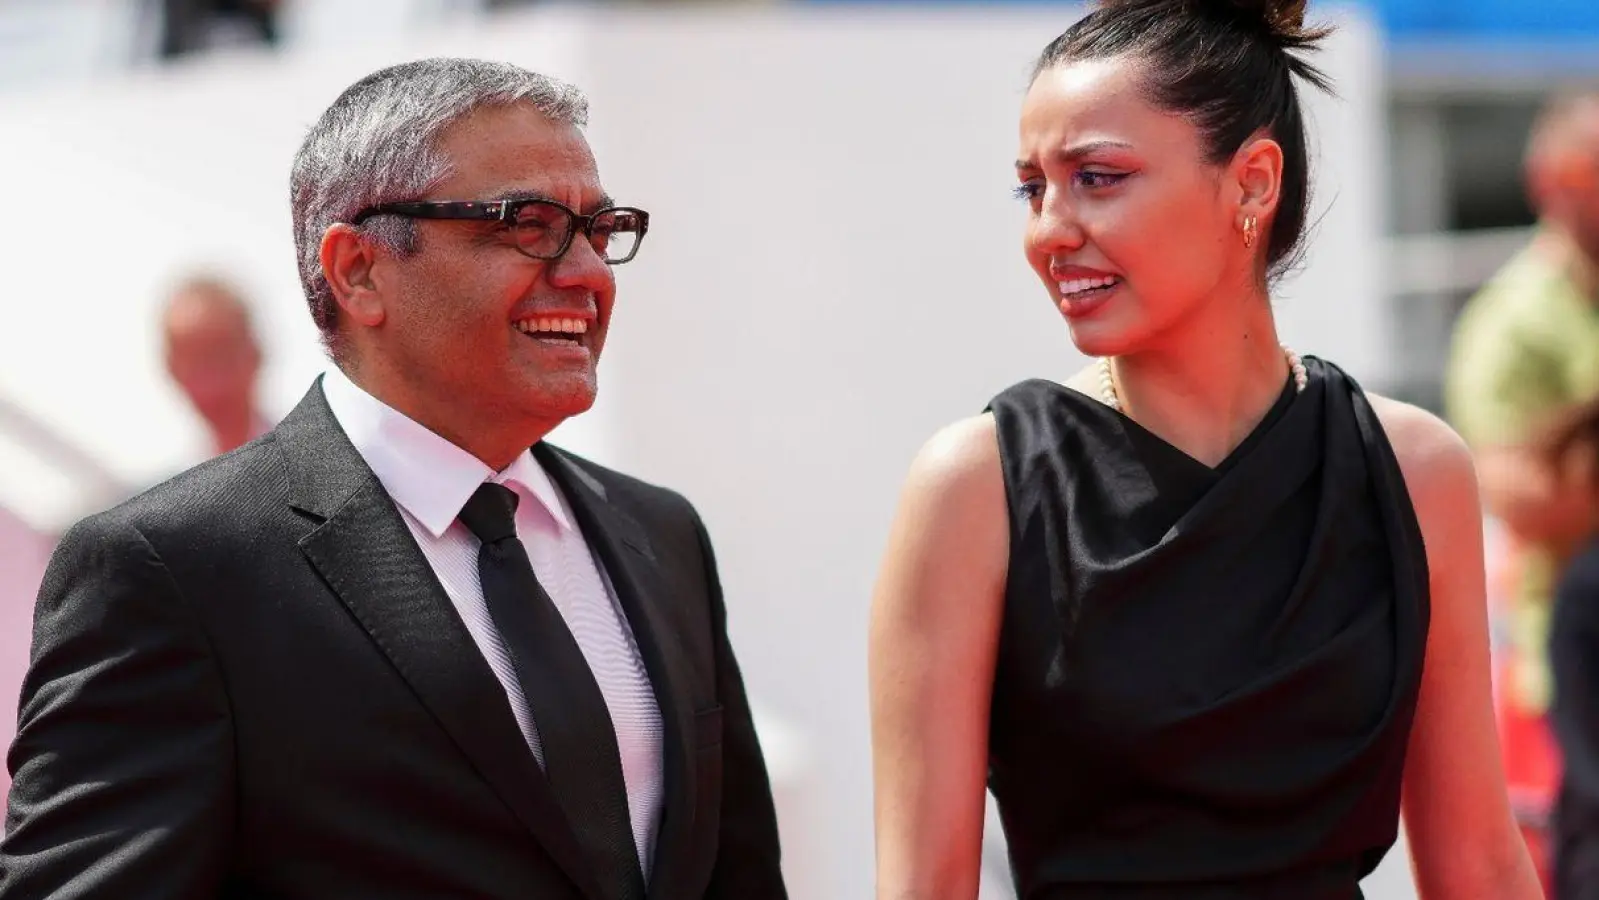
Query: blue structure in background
point(1519, 21)
point(1499, 19)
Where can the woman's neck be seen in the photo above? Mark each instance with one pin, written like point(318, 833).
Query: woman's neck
point(1206, 384)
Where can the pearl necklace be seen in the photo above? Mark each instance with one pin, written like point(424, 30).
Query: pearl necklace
point(1107, 384)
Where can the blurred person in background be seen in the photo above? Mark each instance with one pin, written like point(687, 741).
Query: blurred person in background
point(25, 547)
point(214, 358)
point(402, 646)
point(23, 555)
point(1525, 349)
point(1571, 456)
point(1208, 618)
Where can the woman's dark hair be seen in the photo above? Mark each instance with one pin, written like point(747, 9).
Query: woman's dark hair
point(1229, 67)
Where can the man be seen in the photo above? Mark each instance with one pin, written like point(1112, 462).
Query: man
point(387, 651)
point(1526, 348)
point(214, 358)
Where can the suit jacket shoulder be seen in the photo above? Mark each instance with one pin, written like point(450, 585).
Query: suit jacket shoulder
point(671, 523)
point(626, 489)
point(213, 505)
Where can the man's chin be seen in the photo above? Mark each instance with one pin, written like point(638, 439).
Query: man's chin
point(563, 399)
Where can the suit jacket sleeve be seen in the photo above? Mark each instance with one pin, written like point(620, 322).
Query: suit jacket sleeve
point(748, 861)
point(123, 761)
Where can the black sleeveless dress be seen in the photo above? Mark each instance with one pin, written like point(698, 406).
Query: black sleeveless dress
point(1206, 677)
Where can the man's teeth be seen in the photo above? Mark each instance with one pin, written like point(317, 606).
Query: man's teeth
point(1078, 285)
point(552, 326)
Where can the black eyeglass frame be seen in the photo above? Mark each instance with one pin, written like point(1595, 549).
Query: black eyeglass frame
point(506, 212)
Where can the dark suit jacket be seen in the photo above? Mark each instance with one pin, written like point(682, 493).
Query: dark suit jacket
point(248, 683)
point(1574, 714)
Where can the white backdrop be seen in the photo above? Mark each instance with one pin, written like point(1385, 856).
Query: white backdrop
point(833, 271)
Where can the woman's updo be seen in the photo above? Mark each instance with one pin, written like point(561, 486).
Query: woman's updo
point(1226, 65)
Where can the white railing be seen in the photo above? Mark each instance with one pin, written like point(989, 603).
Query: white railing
point(1429, 265)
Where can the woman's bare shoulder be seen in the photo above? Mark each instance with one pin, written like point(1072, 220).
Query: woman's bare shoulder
point(959, 458)
point(1436, 464)
point(1427, 448)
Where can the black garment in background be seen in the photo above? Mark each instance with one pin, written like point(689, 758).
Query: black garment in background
point(185, 24)
point(1574, 665)
point(248, 684)
point(1206, 677)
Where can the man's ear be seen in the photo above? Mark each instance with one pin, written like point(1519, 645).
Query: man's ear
point(348, 263)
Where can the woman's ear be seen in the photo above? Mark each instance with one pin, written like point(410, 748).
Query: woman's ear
point(1257, 171)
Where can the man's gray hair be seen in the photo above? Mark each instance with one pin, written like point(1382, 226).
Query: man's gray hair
point(376, 144)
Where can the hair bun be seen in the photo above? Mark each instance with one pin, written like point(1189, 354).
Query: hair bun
point(1286, 18)
point(1283, 19)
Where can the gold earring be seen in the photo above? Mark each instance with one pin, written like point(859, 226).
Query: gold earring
point(1251, 227)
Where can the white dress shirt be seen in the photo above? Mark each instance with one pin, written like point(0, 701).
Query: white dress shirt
point(430, 480)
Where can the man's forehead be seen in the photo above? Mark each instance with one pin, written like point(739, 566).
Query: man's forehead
point(509, 153)
point(203, 302)
point(499, 129)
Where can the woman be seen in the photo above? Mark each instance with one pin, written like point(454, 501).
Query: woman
point(1175, 611)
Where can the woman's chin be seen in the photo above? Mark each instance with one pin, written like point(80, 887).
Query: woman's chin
point(1097, 338)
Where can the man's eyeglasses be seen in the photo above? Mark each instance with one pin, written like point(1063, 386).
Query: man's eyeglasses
point(542, 229)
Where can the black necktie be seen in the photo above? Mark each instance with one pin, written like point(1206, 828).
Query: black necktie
point(581, 761)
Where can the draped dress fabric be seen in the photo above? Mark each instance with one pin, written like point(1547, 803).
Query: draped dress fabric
point(1206, 676)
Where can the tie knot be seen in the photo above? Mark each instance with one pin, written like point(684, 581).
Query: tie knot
point(490, 513)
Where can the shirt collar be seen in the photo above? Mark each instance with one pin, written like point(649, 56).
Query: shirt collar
point(526, 471)
point(426, 475)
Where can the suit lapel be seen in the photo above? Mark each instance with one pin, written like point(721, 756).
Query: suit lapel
point(367, 555)
point(624, 549)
